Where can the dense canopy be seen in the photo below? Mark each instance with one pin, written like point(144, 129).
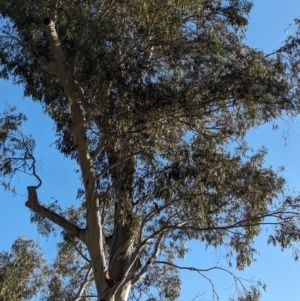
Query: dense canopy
point(152, 100)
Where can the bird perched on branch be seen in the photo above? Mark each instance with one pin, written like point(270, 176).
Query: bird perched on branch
point(156, 207)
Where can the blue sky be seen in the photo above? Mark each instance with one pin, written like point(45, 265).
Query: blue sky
point(268, 22)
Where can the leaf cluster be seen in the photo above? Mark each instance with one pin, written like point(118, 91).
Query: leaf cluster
point(165, 88)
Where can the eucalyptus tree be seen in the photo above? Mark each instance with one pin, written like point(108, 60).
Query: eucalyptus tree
point(146, 96)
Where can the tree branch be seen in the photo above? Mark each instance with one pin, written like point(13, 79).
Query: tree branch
point(54, 41)
point(238, 281)
point(79, 131)
point(98, 12)
point(35, 206)
point(53, 9)
point(79, 251)
point(162, 231)
point(122, 160)
point(83, 284)
point(99, 147)
point(152, 213)
point(150, 261)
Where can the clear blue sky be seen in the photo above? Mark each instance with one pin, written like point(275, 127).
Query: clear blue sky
point(269, 19)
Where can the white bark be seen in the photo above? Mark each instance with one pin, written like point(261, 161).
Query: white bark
point(34, 204)
point(120, 295)
point(92, 236)
point(123, 295)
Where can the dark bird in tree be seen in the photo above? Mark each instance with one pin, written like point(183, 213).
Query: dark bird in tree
point(156, 207)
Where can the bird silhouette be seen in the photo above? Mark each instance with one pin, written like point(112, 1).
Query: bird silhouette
point(156, 207)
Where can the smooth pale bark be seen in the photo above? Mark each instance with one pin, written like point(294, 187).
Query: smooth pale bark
point(123, 295)
point(92, 236)
point(36, 207)
point(112, 282)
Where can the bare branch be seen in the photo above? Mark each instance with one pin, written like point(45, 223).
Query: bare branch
point(148, 37)
point(122, 160)
point(257, 221)
point(33, 168)
point(163, 231)
point(150, 261)
point(56, 65)
point(53, 9)
point(54, 40)
point(83, 284)
point(88, 296)
point(151, 214)
point(79, 133)
point(99, 147)
point(98, 12)
point(35, 206)
point(79, 251)
point(238, 281)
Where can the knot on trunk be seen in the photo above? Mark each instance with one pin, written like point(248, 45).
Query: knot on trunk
point(110, 281)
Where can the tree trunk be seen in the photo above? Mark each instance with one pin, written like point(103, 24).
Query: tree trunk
point(121, 244)
point(121, 294)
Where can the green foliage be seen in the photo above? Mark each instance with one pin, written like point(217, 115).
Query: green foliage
point(66, 273)
point(21, 271)
point(15, 148)
point(165, 87)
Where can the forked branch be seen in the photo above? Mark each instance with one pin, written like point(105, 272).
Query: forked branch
point(239, 282)
point(83, 285)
